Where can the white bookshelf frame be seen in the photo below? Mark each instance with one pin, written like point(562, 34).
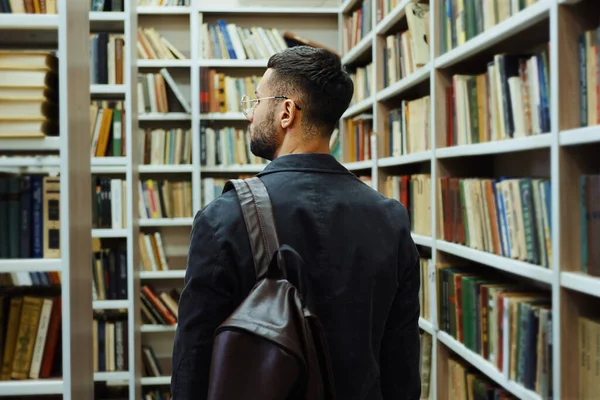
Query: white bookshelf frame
point(74, 165)
point(555, 279)
point(78, 377)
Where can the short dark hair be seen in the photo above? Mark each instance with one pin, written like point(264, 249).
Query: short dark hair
point(318, 77)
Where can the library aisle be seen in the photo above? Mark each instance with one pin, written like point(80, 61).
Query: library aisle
point(481, 116)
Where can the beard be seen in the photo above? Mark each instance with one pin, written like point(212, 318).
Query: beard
point(263, 138)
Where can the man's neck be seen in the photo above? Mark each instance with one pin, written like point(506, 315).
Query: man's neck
point(292, 146)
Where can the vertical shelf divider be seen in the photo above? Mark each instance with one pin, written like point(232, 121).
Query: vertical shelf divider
point(75, 198)
point(132, 177)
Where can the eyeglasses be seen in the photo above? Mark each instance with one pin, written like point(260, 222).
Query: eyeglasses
point(248, 105)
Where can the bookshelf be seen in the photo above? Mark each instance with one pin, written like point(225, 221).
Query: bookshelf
point(66, 299)
point(557, 147)
point(561, 152)
point(115, 173)
point(184, 27)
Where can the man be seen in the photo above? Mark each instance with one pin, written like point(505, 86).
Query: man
point(363, 267)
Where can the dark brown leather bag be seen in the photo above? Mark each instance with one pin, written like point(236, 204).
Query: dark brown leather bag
point(271, 347)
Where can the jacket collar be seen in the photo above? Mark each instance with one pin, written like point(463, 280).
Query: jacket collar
point(305, 162)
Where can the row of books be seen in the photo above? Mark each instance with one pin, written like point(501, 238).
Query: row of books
point(414, 192)
point(425, 361)
point(107, 58)
point(158, 93)
point(510, 217)
point(159, 307)
point(465, 382)
point(589, 356)
point(357, 25)
point(226, 146)
point(218, 147)
point(463, 20)
point(33, 278)
point(163, 3)
point(106, 5)
point(589, 81)
point(28, 7)
point(28, 94)
point(384, 8)
point(424, 288)
point(590, 223)
point(30, 328)
point(362, 77)
point(358, 137)
point(510, 100)
point(165, 199)
point(406, 51)
point(151, 364)
point(220, 93)
point(166, 146)
point(408, 128)
point(151, 45)
point(110, 341)
point(107, 128)
point(109, 209)
point(109, 271)
point(229, 41)
point(504, 321)
point(152, 252)
point(29, 211)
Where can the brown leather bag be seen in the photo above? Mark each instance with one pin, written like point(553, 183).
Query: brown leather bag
point(271, 347)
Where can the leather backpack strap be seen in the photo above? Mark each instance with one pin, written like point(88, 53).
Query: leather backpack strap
point(258, 217)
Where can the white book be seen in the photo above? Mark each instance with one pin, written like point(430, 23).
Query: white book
point(516, 103)
point(115, 203)
point(236, 42)
point(182, 100)
point(161, 251)
point(40, 340)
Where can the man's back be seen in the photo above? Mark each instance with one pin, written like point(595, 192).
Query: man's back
point(362, 270)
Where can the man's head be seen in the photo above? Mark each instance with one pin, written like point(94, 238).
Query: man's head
point(303, 94)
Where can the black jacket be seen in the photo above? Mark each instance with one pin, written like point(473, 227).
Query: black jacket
point(363, 276)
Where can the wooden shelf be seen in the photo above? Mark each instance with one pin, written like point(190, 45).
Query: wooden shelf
point(156, 380)
point(496, 147)
point(358, 108)
point(110, 304)
point(158, 328)
point(487, 368)
point(29, 22)
point(165, 168)
point(516, 267)
point(397, 88)
point(590, 134)
point(365, 44)
point(109, 233)
point(164, 63)
point(170, 274)
point(506, 29)
point(581, 283)
point(162, 10)
point(166, 222)
point(405, 159)
point(217, 63)
point(300, 11)
point(233, 169)
point(8, 266)
point(31, 387)
point(422, 240)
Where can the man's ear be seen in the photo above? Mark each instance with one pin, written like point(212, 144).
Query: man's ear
point(288, 115)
